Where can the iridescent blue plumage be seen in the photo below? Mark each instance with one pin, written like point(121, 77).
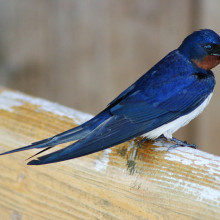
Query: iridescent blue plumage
point(170, 92)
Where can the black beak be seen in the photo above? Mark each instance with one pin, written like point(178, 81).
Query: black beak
point(216, 50)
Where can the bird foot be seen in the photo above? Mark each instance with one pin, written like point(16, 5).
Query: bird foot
point(180, 144)
point(139, 142)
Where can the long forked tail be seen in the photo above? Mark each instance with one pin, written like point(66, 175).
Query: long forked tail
point(70, 135)
point(39, 144)
point(66, 136)
point(113, 131)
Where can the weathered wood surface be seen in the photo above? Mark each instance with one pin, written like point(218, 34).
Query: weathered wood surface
point(123, 182)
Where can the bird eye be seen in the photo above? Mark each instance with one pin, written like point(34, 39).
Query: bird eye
point(208, 47)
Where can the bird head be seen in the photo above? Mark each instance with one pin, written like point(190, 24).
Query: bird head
point(203, 48)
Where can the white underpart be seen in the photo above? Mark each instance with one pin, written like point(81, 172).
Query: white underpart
point(168, 129)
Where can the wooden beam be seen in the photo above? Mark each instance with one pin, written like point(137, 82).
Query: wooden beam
point(123, 182)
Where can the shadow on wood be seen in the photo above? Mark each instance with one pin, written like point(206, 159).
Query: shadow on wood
point(123, 182)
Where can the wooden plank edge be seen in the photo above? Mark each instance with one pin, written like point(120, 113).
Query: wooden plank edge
point(134, 183)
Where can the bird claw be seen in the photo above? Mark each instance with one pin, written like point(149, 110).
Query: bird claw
point(172, 147)
point(181, 144)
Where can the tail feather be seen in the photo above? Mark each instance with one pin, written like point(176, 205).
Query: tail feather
point(38, 153)
point(72, 134)
point(39, 144)
point(108, 134)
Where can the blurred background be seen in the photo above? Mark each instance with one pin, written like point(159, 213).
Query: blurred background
point(82, 53)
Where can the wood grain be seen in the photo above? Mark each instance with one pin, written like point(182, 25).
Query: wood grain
point(123, 182)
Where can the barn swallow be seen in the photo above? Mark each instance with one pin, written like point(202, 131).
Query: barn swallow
point(164, 99)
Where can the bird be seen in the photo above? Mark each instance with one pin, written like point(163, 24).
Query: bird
point(167, 97)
